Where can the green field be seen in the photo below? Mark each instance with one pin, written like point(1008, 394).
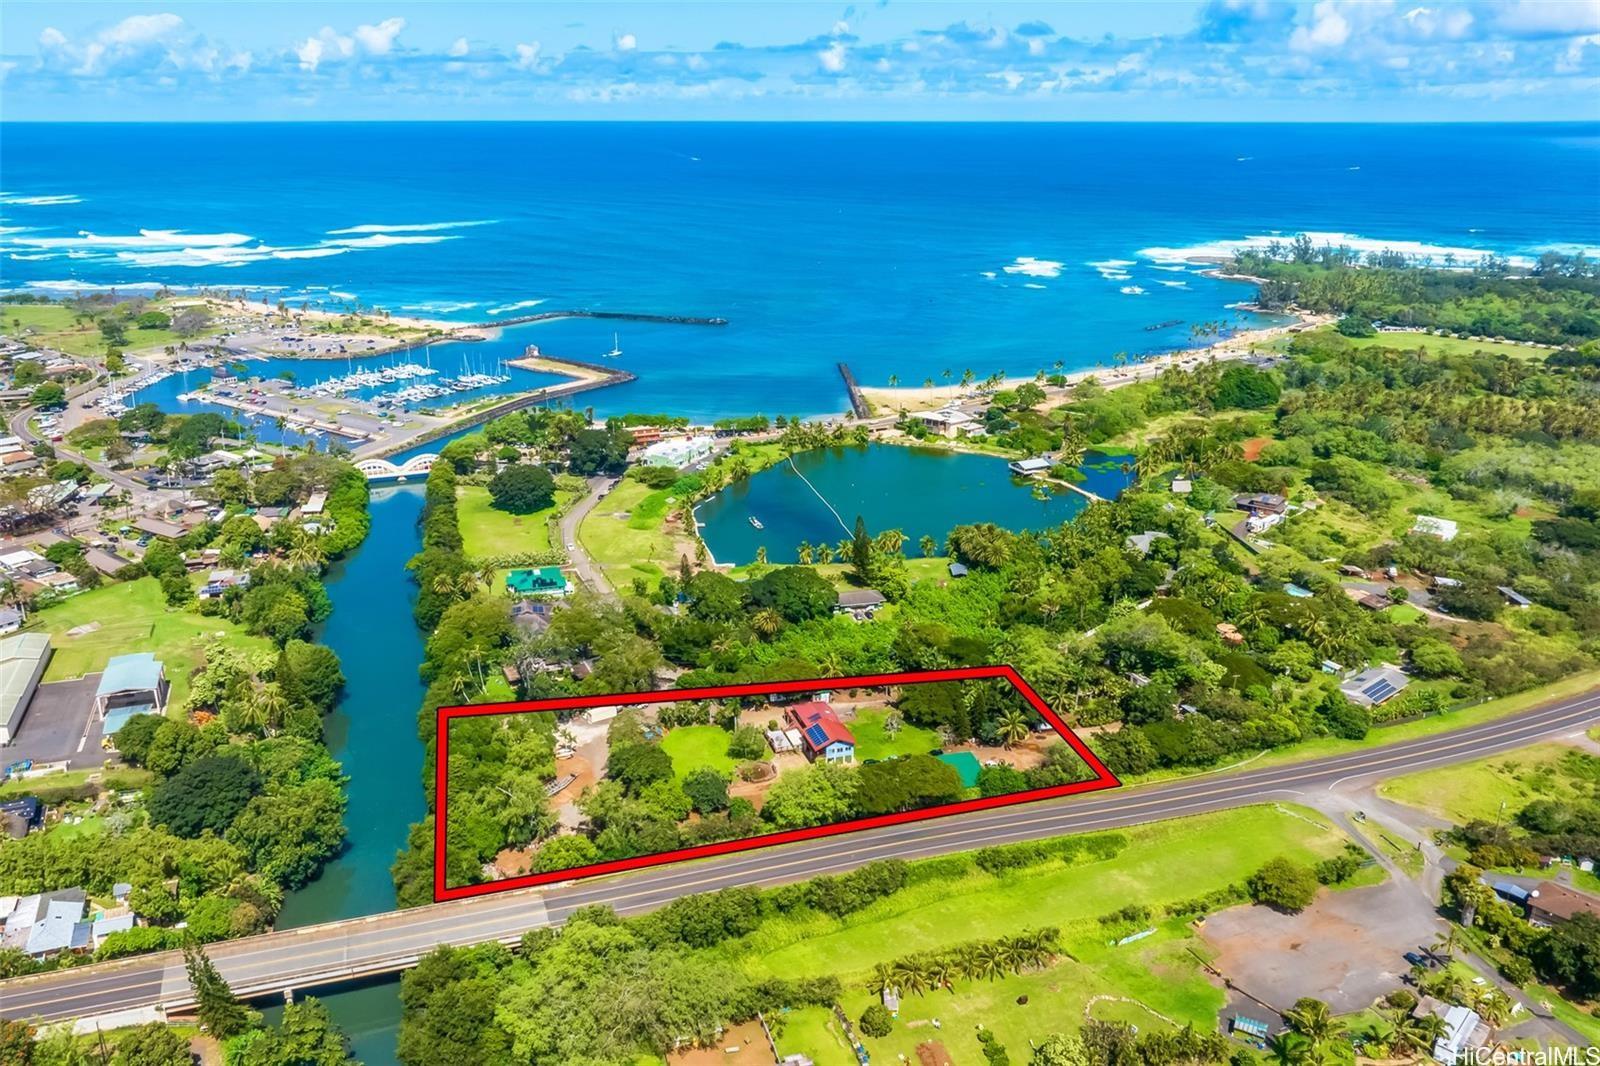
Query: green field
point(1211, 851)
point(1496, 787)
point(486, 532)
point(696, 746)
point(54, 328)
point(814, 1032)
point(1403, 614)
point(872, 742)
point(1409, 341)
point(635, 546)
point(133, 617)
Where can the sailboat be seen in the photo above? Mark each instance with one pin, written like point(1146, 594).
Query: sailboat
point(616, 348)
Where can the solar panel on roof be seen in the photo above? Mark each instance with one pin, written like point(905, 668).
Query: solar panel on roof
point(1379, 691)
point(817, 735)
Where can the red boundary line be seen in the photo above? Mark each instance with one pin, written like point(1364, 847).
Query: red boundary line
point(1103, 778)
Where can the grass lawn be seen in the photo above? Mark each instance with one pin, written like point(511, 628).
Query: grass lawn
point(694, 746)
point(635, 546)
point(133, 617)
point(1158, 972)
point(872, 742)
point(814, 1032)
point(1212, 850)
point(1496, 787)
point(1410, 341)
point(487, 532)
point(54, 327)
point(1403, 614)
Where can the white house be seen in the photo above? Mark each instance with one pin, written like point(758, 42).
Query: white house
point(679, 451)
point(1428, 525)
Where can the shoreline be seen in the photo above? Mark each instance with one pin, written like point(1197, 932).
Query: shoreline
point(914, 398)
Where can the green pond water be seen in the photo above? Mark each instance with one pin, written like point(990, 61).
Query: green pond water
point(816, 496)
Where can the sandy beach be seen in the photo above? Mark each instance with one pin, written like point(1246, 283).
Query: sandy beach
point(1239, 346)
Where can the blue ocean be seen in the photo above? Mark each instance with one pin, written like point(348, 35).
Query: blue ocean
point(903, 250)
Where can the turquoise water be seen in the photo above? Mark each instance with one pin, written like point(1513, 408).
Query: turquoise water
point(883, 246)
point(374, 730)
point(919, 491)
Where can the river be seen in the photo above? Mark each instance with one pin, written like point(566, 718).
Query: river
point(373, 733)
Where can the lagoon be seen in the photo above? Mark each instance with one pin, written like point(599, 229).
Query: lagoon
point(816, 496)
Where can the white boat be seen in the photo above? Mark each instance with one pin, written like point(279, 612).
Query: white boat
point(616, 348)
point(756, 522)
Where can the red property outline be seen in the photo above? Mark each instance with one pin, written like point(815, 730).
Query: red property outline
point(1103, 778)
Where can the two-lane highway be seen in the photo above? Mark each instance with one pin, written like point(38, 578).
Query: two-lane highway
point(390, 942)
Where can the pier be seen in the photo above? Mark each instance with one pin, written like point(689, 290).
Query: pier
point(858, 403)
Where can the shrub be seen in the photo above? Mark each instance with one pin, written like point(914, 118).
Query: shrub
point(1283, 885)
point(876, 1021)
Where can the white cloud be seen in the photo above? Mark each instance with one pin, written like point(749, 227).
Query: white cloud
point(832, 58)
point(459, 48)
point(527, 55)
point(1328, 29)
point(624, 42)
point(841, 28)
point(326, 45)
point(1549, 18)
point(50, 37)
point(141, 29)
point(378, 40)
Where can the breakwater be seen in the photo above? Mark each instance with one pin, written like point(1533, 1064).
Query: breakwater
point(858, 403)
point(617, 316)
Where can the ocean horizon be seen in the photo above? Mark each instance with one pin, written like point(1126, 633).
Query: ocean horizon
point(902, 249)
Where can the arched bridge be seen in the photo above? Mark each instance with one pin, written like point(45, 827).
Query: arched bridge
point(384, 470)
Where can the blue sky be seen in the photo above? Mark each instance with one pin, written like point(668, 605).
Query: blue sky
point(1205, 60)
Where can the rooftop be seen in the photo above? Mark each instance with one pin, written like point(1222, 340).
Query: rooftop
point(136, 672)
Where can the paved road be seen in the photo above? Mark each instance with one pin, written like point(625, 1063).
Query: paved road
point(586, 567)
point(388, 942)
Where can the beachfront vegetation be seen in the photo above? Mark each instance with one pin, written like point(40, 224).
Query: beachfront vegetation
point(961, 937)
point(93, 324)
point(1557, 302)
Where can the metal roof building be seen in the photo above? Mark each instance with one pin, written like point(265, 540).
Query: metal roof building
point(132, 684)
point(22, 662)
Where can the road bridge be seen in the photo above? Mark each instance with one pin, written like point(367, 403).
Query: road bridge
point(298, 959)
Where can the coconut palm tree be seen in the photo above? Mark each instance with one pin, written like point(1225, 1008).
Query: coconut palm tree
point(766, 622)
point(1449, 942)
point(824, 554)
point(882, 980)
point(1312, 1019)
point(306, 553)
point(894, 379)
point(928, 546)
point(804, 553)
point(1012, 728)
point(890, 541)
point(1288, 1048)
point(269, 705)
point(990, 961)
point(761, 555)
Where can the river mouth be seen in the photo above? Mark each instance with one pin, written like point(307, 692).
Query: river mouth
point(814, 499)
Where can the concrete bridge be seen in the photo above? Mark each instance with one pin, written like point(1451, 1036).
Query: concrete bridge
point(382, 470)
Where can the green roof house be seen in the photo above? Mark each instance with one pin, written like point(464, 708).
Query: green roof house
point(538, 581)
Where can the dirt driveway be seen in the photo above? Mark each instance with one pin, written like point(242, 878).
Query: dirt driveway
point(1346, 948)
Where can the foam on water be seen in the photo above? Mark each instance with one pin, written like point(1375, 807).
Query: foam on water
point(1131, 290)
point(1028, 266)
point(518, 306)
point(409, 227)
point(22, 200)
point(1113, 269)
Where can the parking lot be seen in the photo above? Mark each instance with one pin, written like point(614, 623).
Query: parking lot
point(1346, 948)
point(57, 726)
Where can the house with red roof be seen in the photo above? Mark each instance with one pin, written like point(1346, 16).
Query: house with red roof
point(824, 736)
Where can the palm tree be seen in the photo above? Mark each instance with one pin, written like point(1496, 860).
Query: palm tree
point(766, 622)
point(894, 379)
point(1449, 942)
point(990, 961)
point(1493, 1005)
point(942, 973)
point(804, 553)
point(1012, 728)
point(882, 980)
point(761, 555)
point(1312, 1019)
point(928, 546)
point(890, 541)
point(1288, 1048)
point(269, 705)
point(824, 554)
point(306, 553)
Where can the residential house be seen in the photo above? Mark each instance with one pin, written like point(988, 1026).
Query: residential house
point(157, 527)
point(947, 421)
point(679, 452)
point(1463, 1029)
point(1513, 597)
point(1374, 685)
point(860, 604)
point(1143, 542)
point(822, 735)
point(48, 923)
point(1430, 526)
point(11, 619)
point(1552, 904)
point(1182, 486)
point(958, 569)
point(537, 581)
point(220, 581)
point(131, 685)
point(315, 504)
point(1261, 503)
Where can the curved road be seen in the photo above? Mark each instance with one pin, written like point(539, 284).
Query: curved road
point(301, 958)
